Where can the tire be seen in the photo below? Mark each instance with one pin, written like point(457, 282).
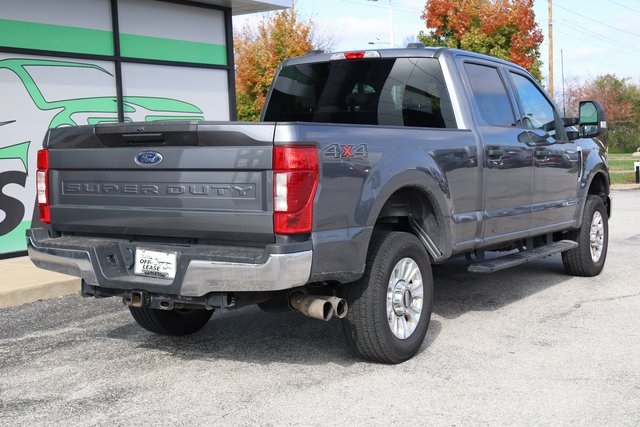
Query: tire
point(171, 322)
point(588, 258)
point(388, 298)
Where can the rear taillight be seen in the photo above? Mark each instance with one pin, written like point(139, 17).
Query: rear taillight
point(295, 180)
point(42, 186)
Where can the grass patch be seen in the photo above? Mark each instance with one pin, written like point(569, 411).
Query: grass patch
point(621, 168)
point(622, 156)
point(623, 178)
point(621, 164)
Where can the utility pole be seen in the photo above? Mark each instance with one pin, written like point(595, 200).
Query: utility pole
point(550, 2)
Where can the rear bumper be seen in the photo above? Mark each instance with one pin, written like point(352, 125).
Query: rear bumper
point(107, 263)
point(279, 271)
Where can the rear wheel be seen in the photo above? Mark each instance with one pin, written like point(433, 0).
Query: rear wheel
point(390, 306)
point(171, 322)
point(593, 240)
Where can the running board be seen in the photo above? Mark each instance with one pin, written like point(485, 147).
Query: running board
point(507, 261)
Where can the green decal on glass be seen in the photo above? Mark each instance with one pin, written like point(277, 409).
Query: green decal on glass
point(162, 104)
point(17, 151)
point(67, 112)
point(135, 46)
point(16, 239)
point(33, 35)
point(102, 109)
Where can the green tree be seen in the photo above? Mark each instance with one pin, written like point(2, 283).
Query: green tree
point(259, 51)
point(503, 28)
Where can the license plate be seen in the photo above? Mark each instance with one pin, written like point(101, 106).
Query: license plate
point(155, 264)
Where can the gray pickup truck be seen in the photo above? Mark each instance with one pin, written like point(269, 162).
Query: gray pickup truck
point(366, 168)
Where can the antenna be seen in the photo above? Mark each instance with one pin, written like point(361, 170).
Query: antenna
point(550, 2)
point(564, 104)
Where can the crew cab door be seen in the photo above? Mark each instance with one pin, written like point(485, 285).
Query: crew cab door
point(555, 158)
point(508, 159)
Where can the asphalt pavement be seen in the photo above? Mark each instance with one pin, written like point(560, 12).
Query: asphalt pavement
point(525, 346)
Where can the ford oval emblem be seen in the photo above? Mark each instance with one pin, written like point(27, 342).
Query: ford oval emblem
point(148, 158)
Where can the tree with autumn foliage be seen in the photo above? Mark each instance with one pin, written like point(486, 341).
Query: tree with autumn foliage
point(259, 51)
point(621, 102)
point(502, 28)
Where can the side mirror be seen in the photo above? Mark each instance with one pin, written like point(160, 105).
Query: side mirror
point(592, 119)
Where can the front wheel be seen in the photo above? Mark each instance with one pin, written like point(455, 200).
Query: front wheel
point(171, 322)
point(390, 306)
point(593, 240)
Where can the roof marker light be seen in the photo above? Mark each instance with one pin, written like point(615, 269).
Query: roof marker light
point(356, 55)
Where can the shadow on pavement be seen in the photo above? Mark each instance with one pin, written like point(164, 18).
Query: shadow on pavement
point(250, 335)
point(456, 291)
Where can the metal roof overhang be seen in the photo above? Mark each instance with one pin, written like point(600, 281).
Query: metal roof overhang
point(243, 7)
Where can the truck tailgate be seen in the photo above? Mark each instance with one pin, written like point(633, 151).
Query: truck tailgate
point(184, 180)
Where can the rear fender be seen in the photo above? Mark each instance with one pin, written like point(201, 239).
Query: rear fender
point(429, 181)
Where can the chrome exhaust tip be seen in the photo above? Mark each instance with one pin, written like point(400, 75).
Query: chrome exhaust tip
point(339, 306)
point(312, 306)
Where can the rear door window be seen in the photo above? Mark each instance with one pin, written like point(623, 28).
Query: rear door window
point(490, 95)
point(392, 92)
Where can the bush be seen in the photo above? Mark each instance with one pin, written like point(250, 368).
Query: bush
point(622, 139)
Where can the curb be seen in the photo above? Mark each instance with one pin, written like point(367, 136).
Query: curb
point(23, 283)
point(625, 187)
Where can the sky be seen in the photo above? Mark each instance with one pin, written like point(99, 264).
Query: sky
point(590, 37)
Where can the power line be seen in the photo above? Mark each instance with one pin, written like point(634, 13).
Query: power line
point(625, 6)
point(605, 41)
point(602, 40)
point(399, 6)
point(597, 22)
point(578, 35)
point(587, 38)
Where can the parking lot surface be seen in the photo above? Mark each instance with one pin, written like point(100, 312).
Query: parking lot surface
point(525, 346)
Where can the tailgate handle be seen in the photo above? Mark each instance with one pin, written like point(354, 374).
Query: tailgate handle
point(137, 138)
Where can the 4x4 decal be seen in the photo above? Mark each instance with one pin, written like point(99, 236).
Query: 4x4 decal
point(338, 151)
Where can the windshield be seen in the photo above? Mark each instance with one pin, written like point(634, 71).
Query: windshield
point(394, 92)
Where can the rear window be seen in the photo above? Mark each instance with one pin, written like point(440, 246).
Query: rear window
point(391, 92)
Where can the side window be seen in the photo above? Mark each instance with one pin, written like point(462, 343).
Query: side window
point(538, 112)
point(490, 95)
point(415, 95)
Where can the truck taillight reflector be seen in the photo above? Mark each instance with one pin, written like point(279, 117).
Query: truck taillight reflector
point(295, 180)
point(42, 186)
